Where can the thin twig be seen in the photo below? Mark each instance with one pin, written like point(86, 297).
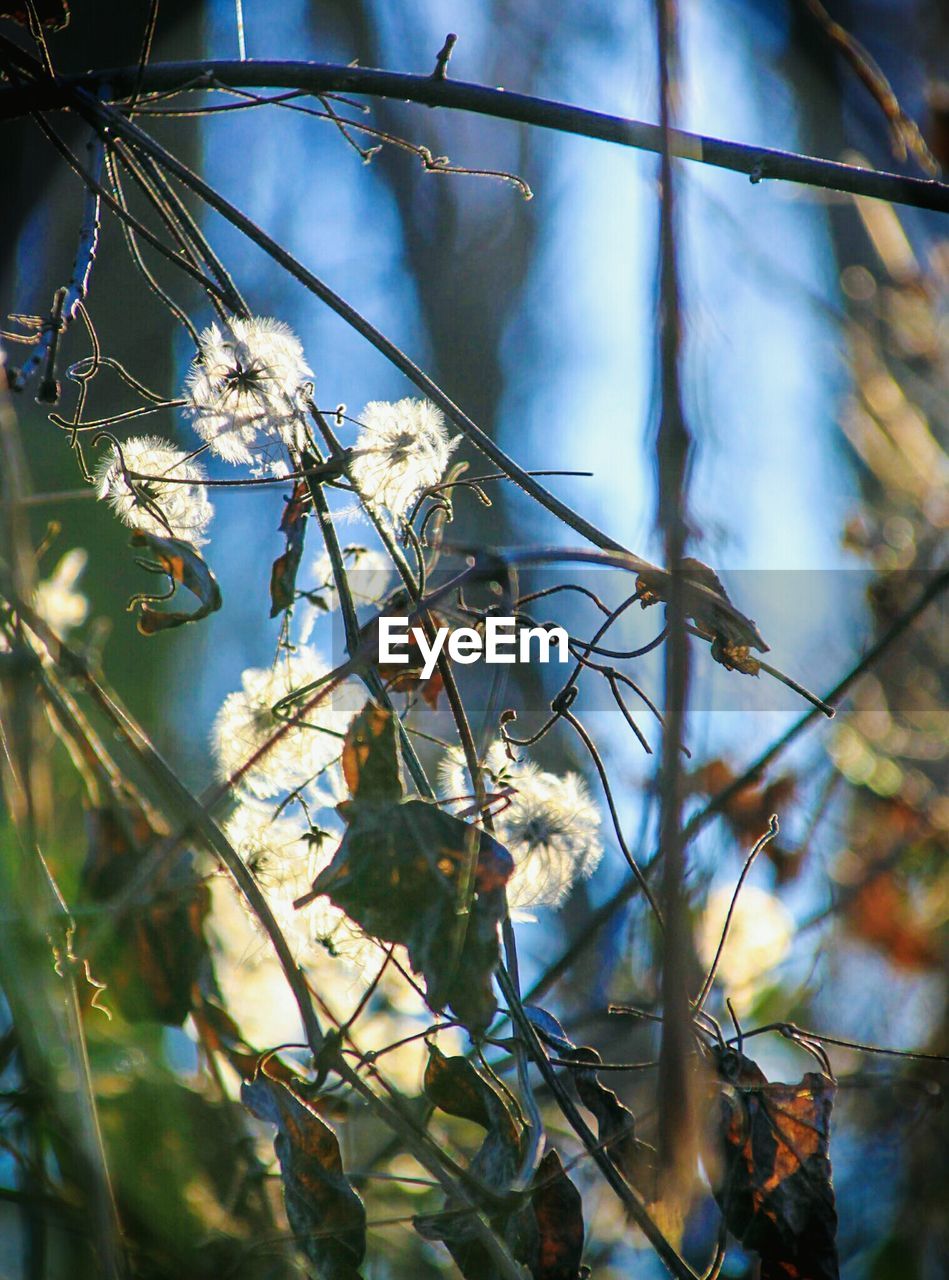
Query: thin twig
point(147, 37)
point(749, 863)
point(76, 288)
point(699, 821)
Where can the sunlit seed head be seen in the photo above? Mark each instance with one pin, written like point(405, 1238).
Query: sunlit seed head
point(285, 863)
point(155, 487)
point(270, 844)
point(246, 726)
point(244, 391)
point(498, 772)
point(552, 829)
point(402, 449)
point(548, 823)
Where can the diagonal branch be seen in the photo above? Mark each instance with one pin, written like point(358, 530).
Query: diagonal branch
point(92, 109)
point(757, 163)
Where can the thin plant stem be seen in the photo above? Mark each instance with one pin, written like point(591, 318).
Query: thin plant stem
point(768, 836)
point(719, 802)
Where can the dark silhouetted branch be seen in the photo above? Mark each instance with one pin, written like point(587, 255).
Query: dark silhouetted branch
point(757, 163)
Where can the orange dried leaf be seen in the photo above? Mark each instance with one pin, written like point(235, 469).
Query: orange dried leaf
point(880, 914)
point(774, 1186)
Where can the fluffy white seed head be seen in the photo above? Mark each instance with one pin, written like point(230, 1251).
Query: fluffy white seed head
point(249, 975)
point(550, 825)
point(285, 862)
point(171, 501)
point(552, 829)
point(244, 390)
point(269, 843)
point(246, 723)
point(402, 449)
point(275, 849)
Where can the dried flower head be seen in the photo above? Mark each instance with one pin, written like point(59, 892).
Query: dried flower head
point(246, 723)
point(244, 389)
point(57, 601)
point(266, 841)
point(550, 825)
point(275, 849)
point(251, 979)
point(402, 449)
point(151, 485)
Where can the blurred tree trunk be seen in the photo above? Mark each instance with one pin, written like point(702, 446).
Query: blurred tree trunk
point(468, 242)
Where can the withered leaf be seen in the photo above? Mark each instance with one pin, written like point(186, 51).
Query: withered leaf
point(326, 1215)
point(401, 872)
point(156, 952)
point(616, 1124)
point(706, 602)
point(459, 1089)
point(371, 757)
point(283, 574)
point(409, 679)
point(775, 1188)
point(735, 657)
point(221, 1034)
point(404, 677)
point(185, 568)
point(557, 1208)
point(456, 1087)
point(544, 1229)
